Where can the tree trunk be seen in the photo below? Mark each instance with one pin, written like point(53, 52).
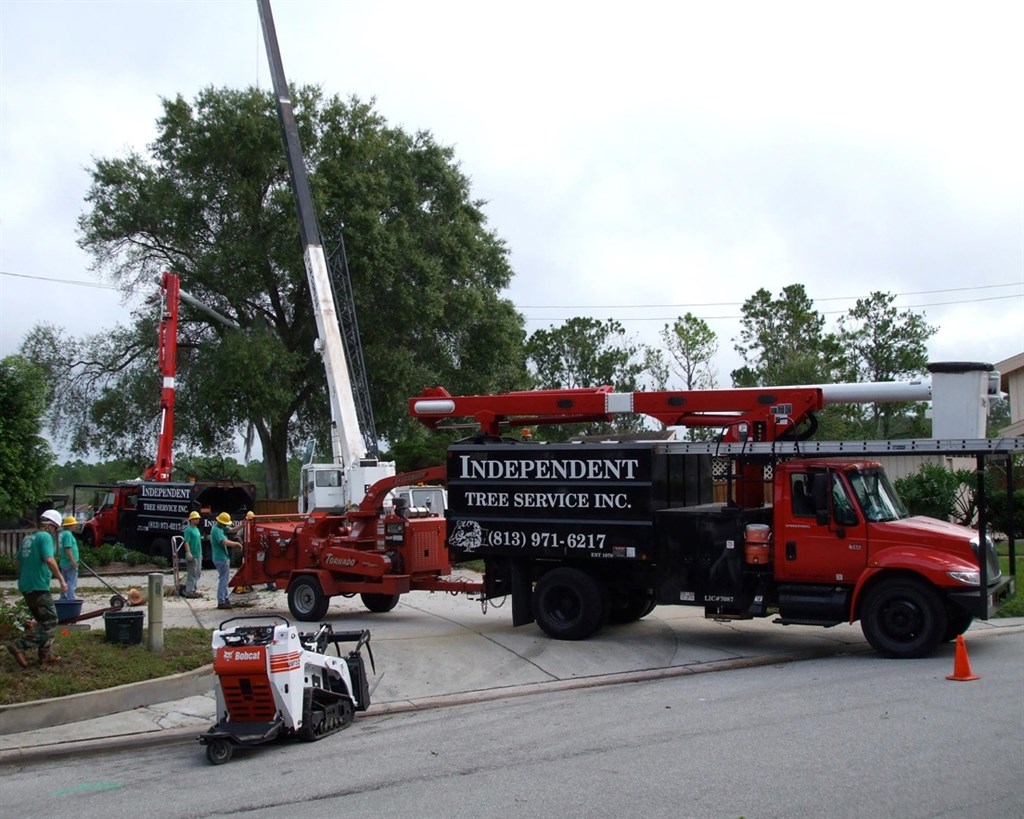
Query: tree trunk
point(275, 459)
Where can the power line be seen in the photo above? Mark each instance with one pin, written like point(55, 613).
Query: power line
point(736, 303)
point(824, 312)
point(80, 283)
point(61, 281)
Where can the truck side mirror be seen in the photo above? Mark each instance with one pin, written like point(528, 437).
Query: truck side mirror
point(819, 491)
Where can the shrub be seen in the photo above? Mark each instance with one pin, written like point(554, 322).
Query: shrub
point(938, 492)
point(13, 614)
point(995, 490)
point(7, 566)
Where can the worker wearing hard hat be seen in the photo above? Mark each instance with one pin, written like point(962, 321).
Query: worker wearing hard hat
point(36, 569)
point(193, 555)
point(67, 549)
point(219, 545)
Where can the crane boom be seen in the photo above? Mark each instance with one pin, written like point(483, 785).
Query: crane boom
point(342, 484)
point(167, 359)
point(347, 443)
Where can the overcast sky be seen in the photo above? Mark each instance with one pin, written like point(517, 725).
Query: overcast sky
point(641, 160)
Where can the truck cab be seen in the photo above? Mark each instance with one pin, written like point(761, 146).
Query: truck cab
point(913, 581)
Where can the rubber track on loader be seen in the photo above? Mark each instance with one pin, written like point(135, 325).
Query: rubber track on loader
point(324, 713)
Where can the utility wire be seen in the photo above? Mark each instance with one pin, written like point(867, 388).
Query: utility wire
point(734, 303)
point(80, 283)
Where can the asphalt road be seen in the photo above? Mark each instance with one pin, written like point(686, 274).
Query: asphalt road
point(845, 736)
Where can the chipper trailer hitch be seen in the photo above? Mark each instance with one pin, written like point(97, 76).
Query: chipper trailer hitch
point(274, 681)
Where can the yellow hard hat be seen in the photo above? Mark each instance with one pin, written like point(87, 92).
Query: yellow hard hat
point(250, 515)
point(70, 521)
point(194, 515)
point(224, 519)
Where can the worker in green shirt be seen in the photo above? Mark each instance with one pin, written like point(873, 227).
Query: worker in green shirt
point(219, 545)
point(194, 555)
point(67, 549)
point(36, 568)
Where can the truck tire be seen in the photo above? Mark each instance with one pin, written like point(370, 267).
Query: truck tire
point(89, 538)
point(569, 604)
point(306, 600)
point(958, 620)
point(628, 607)
point(379, 603)
point(903, 618)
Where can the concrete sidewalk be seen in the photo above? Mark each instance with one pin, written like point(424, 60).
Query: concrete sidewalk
point(431, 650)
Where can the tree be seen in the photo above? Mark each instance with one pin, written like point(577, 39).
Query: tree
point(884, 344)
point(583, 352)
point(212, 202)
point(25, 457)
point(783, 341)
point(692, 344)
point(586, 352)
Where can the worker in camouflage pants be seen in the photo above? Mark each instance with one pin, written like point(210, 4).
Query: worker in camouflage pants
point(36, 568)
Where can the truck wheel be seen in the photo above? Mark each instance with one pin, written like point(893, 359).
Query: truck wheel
point(89, 538)
point(569, 604)
point(627, 607)
point(379, 603)
point(903, 618)
point(958, 620)
point(306, 599)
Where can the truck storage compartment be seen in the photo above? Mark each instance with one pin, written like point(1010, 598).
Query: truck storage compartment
point(813, 605)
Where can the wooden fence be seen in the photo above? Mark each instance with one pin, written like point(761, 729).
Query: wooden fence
point(10, 539)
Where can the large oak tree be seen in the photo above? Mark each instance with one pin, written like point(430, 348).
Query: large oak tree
point(211, 201)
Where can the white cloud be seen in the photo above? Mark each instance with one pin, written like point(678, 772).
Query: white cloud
point(651, 154)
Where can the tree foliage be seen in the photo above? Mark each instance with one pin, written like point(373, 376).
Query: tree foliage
point(883, 344)
point(784, 341)
point(692, 345)
point(25, 457)
point(211, 201)
point(586, 352)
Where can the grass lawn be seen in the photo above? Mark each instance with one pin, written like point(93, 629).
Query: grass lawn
point(89, 663)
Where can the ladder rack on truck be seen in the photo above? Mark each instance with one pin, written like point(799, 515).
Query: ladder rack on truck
point(907, 446)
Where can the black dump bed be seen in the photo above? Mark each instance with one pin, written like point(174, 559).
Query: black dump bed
point(565, 501)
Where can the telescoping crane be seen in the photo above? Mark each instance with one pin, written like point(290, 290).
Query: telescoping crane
point(358, 541)
point(343, 483)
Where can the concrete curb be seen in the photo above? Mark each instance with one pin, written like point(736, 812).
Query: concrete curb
point(29, 716)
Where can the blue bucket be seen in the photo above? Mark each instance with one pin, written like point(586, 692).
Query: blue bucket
point(68, 609)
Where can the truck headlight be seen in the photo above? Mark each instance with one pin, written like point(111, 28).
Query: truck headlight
point(967, 578)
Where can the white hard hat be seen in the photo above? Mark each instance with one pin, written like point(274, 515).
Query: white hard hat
point(53, 516)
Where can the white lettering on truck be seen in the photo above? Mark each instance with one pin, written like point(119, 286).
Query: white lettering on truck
point(573, 469)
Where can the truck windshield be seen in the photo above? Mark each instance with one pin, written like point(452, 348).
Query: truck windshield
point(876, 495)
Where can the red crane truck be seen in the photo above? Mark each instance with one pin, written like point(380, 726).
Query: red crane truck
point(144, 514)
point(583, 534)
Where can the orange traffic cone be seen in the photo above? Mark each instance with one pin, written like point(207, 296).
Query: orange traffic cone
point(961, 665)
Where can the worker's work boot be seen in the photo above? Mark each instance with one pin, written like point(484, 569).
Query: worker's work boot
point(47, 657)
point(19, 658)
